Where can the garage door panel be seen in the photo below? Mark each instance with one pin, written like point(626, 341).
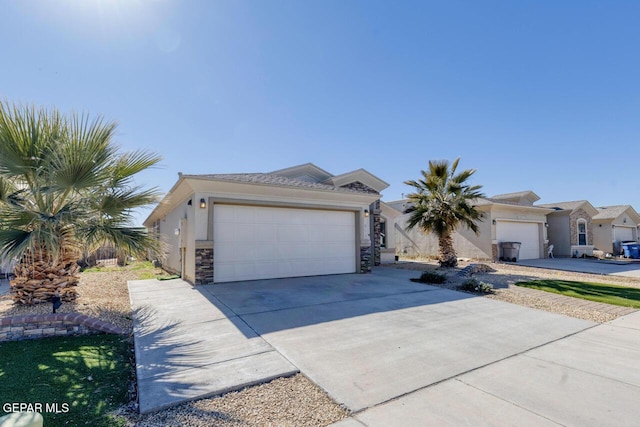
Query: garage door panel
point(264, 233)
point(263, 242)
point(623, 233)
point(225, 234)
point(247, 216)
point(290, 251)
point(527, 233)
point(332, 250)
point(246, 233)
point(292, 233)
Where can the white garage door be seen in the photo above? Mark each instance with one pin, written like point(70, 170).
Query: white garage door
point(252, 242)
point(623, 234)
point(525, 232)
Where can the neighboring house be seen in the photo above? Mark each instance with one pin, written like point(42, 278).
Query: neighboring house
point(507, 218)
point(387, 232)
point(298, 221)
point(613, 225)
point(571, 227)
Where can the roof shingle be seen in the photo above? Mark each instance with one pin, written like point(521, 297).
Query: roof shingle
point(271, 179)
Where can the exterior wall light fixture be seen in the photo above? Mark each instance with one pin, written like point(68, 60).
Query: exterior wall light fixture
point(203, 204)
point(366, 213)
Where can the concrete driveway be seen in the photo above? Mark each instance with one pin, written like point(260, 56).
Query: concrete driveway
point(593, 266)
point(401, 353)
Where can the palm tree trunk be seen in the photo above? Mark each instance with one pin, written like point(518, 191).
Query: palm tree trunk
point(39, 277)
point(447, 256)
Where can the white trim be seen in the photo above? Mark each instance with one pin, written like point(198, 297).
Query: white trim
point(586, 233)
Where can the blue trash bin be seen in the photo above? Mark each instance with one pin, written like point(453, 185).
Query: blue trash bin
point(631, 250)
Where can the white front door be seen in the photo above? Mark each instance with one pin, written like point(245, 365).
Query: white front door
point(256, 242)
point(527, 233)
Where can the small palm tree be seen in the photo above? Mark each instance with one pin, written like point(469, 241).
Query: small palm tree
point(64, 189)
point(442, 202)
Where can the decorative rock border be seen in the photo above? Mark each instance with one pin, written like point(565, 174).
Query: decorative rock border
point(19, 328)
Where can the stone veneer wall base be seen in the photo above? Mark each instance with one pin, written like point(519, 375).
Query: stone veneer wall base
point(365, 259)
point(204, 262)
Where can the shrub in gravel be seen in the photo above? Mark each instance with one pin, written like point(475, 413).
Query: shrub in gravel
point(431, 277)
point(474, 285)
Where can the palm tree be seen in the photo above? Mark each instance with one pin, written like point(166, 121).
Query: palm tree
point(64, 189)
point(442, 202)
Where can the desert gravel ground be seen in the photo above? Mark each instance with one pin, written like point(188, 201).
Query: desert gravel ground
point(506, 275)
point(292, 401)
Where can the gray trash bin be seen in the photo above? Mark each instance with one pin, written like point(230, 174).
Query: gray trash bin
point(510, 251)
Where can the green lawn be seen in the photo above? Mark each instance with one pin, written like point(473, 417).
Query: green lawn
point(610, 294)
point(87, 375)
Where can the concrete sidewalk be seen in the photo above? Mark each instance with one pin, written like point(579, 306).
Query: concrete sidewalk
point(189, 346)
point(588, 379)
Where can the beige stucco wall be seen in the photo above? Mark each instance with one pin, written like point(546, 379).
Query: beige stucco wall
point(466, 243)
point(168, 226)
point(603, 236)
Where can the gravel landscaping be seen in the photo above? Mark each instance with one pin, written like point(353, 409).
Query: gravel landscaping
point(293, 401)
point(506, 275)
point(296, 401)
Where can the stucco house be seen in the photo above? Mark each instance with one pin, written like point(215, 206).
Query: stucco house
point(298, 221)
point(613, 225)
point(508, 217)
point(570, 228)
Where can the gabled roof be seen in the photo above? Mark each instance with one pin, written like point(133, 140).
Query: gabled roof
point(360, 175)
point(614, 212)
point(304, 172)
point(571, 206)
point(526, 197)
point(312, 173)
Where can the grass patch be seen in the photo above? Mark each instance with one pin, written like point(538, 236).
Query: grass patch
point(610, 294)
point(171, 277)
point(88, 374)
point(144, 270)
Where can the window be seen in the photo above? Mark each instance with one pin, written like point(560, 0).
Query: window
point(383, 234)
point(582, 232)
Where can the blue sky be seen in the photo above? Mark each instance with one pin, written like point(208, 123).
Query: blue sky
point(538, 95)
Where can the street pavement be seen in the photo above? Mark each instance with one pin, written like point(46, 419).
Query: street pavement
point(593, 266)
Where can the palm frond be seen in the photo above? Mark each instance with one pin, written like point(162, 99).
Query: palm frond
point(442, 200)
point(63, 180)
